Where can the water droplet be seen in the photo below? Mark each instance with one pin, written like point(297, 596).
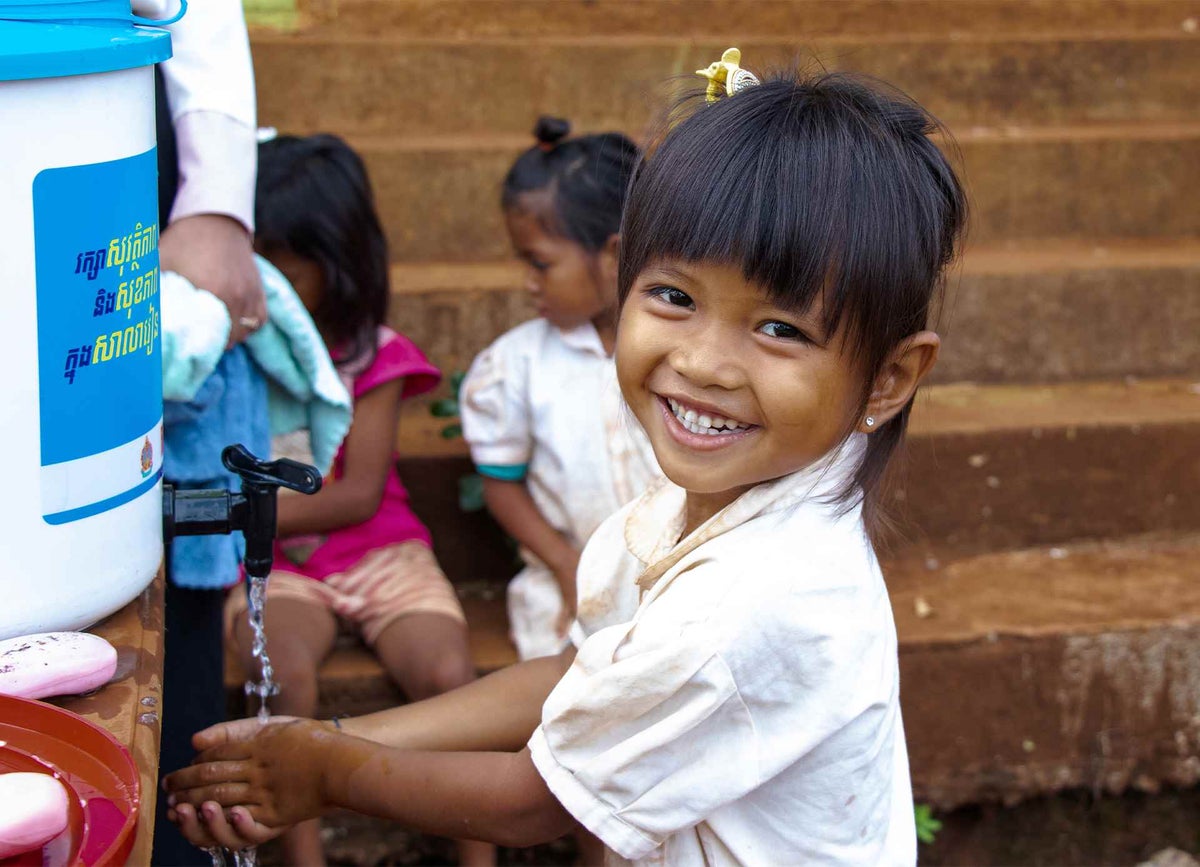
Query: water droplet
point(1058, 553)
point(977, 461)
point(932, 563)
point(1028, 746)
point(1190, 25)
point(986, 511)
point(149, 701)
point(993, 482)
point(148, 718)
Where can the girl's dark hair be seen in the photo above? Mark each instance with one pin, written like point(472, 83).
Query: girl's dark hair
point(314, 199)
point(826, 186)
point(586, 178)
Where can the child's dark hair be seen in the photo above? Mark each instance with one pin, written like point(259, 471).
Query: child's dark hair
point(586, 178)
point(314, 199)
point(825, 186)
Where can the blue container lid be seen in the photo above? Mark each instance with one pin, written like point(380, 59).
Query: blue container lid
point(53, 38)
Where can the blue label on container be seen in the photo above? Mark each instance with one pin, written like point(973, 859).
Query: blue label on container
point(99, 361)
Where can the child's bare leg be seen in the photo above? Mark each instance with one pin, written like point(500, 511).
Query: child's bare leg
point(300, 635)
point(427, 654)
point(591, 850)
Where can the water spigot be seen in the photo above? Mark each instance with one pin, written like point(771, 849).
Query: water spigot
point(261, 480)
point(210, 512)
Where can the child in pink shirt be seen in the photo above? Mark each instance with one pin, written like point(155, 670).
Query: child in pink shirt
point(355, 551)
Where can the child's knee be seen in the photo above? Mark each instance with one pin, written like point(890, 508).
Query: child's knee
point(446, 674)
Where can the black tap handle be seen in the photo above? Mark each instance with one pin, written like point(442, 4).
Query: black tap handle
point(282, 473)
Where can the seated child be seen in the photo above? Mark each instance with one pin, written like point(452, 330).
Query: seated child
point(540, 406)
point(732, 693)
point(354, 551)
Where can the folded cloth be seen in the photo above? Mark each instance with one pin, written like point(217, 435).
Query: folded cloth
point(195, 331)
point(229, 407)
point(304, 390)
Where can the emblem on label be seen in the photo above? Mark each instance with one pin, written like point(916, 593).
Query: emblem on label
point(147, 458)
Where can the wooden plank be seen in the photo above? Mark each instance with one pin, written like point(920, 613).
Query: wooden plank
point(129, 707)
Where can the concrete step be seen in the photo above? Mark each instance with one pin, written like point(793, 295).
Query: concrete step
point(1037, 311)
point(447, 20)
point(1024, 673)
point(987, 468)
point(1029, 672)
point(439, 197)
point(380, 85)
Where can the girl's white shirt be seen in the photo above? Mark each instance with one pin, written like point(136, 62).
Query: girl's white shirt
point(735, 696)
point(549, 400)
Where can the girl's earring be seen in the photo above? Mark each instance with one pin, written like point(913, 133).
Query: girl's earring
point(870, 421)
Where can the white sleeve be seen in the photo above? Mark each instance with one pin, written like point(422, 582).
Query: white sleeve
point(618, 746)
point(662, 721)
point(494, 406)
point(210, 88)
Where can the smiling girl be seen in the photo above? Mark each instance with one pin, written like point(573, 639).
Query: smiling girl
point(733, 694)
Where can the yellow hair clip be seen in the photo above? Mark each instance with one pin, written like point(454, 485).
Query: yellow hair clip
point(726, 77)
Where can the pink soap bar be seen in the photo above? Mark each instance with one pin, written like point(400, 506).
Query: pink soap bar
point(33, 811)
point(55, 663)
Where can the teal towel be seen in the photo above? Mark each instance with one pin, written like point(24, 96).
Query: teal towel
point(304, 391)
point(195, 329)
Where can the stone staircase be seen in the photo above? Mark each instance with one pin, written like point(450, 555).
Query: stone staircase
point(1047, 590)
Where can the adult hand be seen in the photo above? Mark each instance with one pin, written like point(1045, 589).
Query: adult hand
point(275, 771)
point(215, 253)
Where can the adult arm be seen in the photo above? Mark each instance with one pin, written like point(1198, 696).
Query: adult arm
point(210, 89)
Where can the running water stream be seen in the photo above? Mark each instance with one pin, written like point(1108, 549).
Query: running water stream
point(264, 689)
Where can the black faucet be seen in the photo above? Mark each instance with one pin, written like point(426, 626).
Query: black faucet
point(206, 513)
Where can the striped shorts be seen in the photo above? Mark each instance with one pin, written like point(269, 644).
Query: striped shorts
point(382, 587)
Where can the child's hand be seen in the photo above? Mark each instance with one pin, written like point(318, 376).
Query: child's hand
point(564, 574)
point(565, 618)
point(209, 826)
point(276, 771)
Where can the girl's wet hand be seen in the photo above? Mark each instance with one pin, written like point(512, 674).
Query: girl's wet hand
point(277, 774)
point(209, 826)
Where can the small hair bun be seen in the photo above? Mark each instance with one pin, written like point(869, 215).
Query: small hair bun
point(549, 131)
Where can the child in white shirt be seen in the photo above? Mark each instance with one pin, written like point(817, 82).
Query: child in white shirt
point(541, 410)
point(733, 692)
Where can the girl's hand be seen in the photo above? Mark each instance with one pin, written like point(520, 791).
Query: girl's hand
point(210, 826)
point(564, 574)
point(275, 771)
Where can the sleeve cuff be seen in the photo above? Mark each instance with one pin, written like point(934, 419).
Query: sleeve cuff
point(502, 455)
point(503, 472)
point(218, 162)
point(589, 810)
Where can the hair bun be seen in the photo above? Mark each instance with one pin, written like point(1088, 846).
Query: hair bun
point(549, 131)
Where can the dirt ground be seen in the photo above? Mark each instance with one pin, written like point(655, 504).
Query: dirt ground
point(1074, 829)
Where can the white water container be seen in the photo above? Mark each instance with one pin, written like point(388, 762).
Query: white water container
point(81, 419)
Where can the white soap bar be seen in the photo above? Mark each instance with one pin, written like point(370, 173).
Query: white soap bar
point(55, 663)
point(33, 811)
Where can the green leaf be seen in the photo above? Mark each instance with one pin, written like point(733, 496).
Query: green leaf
point(470, 492)
point(447, 407)
point(456, 381)
point(927, 826)
point(452, 431)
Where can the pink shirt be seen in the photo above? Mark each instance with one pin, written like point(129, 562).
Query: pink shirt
point(396, 358)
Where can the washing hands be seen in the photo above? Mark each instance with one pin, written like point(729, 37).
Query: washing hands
point(251, 781)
